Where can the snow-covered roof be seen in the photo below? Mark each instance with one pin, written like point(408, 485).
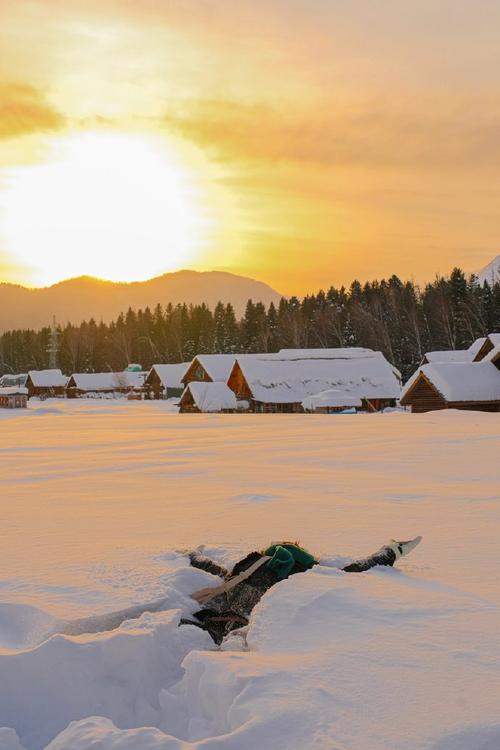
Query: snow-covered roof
point(212, 397)
point(332, 398)
point(171, 375)
point(13, 390)
point(476, 345)
point(218, 366)
point(354, 352)
point(460, 381)
point(47, 378)
point(450, 355)
point(456, 355)
point(493, 354)
point(494, 338)
point(107, 381)
point(13, 379)
point(292, 380)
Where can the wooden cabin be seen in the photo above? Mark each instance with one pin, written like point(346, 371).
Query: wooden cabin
point(279, 383)
point(13, 397)
point(201, 397)
point(165, 381)
point(491, 341)
point(84, 384)
point(46, 383)
point(209, 368)
point(454, 355)
point(460, 385)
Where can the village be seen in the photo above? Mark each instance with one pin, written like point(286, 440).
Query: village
point(321, 381)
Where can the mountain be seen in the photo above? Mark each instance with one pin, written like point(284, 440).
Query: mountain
point(82, 298)
point(491, 272)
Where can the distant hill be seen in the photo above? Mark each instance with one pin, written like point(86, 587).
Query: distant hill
point(491, 272)
point(82, 298)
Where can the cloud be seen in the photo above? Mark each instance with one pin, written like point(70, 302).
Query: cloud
point(24, 110)
point(445, 133)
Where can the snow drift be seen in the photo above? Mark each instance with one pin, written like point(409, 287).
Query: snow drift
point(91, 655)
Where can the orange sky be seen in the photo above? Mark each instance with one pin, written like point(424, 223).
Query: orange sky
point(302, 142)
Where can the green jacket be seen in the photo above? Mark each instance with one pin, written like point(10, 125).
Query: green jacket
point(284, 557)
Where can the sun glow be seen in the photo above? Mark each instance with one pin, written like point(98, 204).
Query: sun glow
point(119, 207)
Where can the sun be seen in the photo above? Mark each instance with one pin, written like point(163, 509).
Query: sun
point(116, 206)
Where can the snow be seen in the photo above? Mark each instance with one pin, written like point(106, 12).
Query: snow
point(456, 355)
point(476, 346)
point(460, 381)
point(218, 366)
point(212, 397)
point(492, 355)
point(331, 398)
point(490, 273)
point(452, 355)
point(171, 375)
point(353, 352)
point(98, 499)
point(13, 390)
point(47, 378)
point(494, 338)
point(274, 380)
point(8, 380)
point(106, 381)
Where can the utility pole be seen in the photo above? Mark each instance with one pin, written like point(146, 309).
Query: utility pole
point(53, 347)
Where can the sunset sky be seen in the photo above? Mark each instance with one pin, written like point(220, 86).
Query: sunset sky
point(301, 142)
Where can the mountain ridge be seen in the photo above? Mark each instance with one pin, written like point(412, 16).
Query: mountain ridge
point(83, 297)
point(490, 272)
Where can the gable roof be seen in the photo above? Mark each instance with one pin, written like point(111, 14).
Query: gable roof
point(47, 378)
point(459, 381)
point(493, 354)
point(273, 380)
point(456, 355)
point(218, 366)
point(490, 342)
point(211, 397)
point(476, 345)
point(449, 355)
point(171, 374)
point(106, 381)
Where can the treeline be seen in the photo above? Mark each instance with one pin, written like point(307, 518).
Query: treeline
point(395, 317)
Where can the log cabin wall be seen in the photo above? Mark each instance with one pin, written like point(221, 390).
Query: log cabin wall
point(154, 386)
point(489, 406)
point(45, 391)
point(196, 372)
point(187, 405)
point(424, 397)
point(238, 384)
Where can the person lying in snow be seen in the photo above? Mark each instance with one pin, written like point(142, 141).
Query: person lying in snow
point(228, 607)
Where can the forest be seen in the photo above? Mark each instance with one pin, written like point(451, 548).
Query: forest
point(398, 318)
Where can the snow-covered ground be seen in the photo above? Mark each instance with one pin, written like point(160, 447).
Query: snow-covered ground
point(97, 498)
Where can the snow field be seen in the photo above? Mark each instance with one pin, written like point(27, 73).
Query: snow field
point(98, 498)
